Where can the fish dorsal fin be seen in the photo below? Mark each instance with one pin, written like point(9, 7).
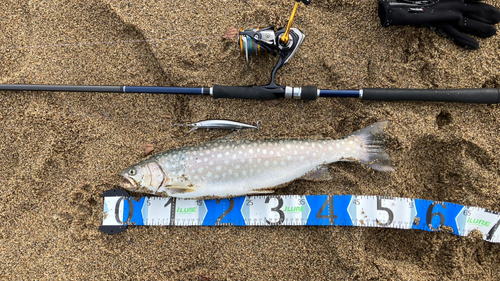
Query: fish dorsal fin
point(320, 173)
point(179, 189)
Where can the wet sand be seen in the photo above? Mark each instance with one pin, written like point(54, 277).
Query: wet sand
point(60, 151)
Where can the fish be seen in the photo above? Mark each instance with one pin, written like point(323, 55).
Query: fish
point(229, 168)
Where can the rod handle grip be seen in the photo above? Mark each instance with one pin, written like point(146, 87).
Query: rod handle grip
point(439, 95)
point(242, 92)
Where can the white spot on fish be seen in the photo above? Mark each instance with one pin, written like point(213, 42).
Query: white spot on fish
point(283, 149)
point(218, 168)
point(301, 147)
point(264, 151)
point(219, 155)
point(282, 163)
point(237, 167)
point(227, 153)
point(289, 158)
point(266, 163)
point(244, 173)
point(224, 175)
point(278, 154)
point(330, 148)
point(295, 152)
point(337, 145)
point(236, 175)
point(234, 157)
point(195, 177)
point(271, 152)
point(288, 146)
point(348, 148)
point(314, 155)
point(240, 152)
point(259, 160)
point(211, 162)
point(200, 170)
point(226, 162)
point(250, 160)
point(275, 163)
point(242, 160)
point(230, 171)
point(216, 176)
point(209, 174)
point(250, 151)
point(251, 171)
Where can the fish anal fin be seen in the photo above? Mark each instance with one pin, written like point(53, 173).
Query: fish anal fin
point(321, 173)
point(263, 191)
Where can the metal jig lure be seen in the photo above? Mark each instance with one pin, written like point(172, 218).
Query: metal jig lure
point(221, 124)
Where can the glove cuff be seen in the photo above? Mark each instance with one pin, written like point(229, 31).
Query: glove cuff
point(403, 12)
point(383, 10)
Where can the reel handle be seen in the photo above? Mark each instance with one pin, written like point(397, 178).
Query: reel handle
point(307, 2)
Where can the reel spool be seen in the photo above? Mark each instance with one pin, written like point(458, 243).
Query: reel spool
point(249, 47)
point(258, 41)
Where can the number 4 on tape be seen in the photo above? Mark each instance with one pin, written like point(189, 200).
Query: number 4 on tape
point(121, 210)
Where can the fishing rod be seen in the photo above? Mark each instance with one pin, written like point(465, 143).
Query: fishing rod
point(284, 42)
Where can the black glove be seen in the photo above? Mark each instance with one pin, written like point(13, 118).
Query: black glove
point(450, 17)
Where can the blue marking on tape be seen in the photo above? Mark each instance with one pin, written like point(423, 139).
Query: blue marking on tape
point(137, 217)
point(341, 204)
point(216, 213)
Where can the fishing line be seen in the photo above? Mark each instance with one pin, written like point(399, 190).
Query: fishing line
point(121, 210)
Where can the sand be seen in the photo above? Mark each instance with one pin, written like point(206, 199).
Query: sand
point(60, 151)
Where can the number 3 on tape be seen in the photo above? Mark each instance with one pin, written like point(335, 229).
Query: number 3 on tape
point(121, 210)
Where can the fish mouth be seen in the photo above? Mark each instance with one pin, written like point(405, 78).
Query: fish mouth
point(129, 183)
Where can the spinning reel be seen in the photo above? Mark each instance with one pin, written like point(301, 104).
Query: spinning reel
point(284, 43)
point(261, 41)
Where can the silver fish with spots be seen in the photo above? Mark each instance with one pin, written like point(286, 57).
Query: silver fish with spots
point(226, 168)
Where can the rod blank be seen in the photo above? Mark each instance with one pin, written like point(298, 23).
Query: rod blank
point(60, 88)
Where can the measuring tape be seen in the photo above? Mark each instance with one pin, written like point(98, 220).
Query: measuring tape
point(121, 210)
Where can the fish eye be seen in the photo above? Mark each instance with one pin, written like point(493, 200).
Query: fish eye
point(132, 172)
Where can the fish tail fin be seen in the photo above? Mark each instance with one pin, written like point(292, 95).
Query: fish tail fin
point(374, 140)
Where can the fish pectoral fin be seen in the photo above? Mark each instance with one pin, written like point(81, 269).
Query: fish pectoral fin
point(321, 173)
point(179, 189)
